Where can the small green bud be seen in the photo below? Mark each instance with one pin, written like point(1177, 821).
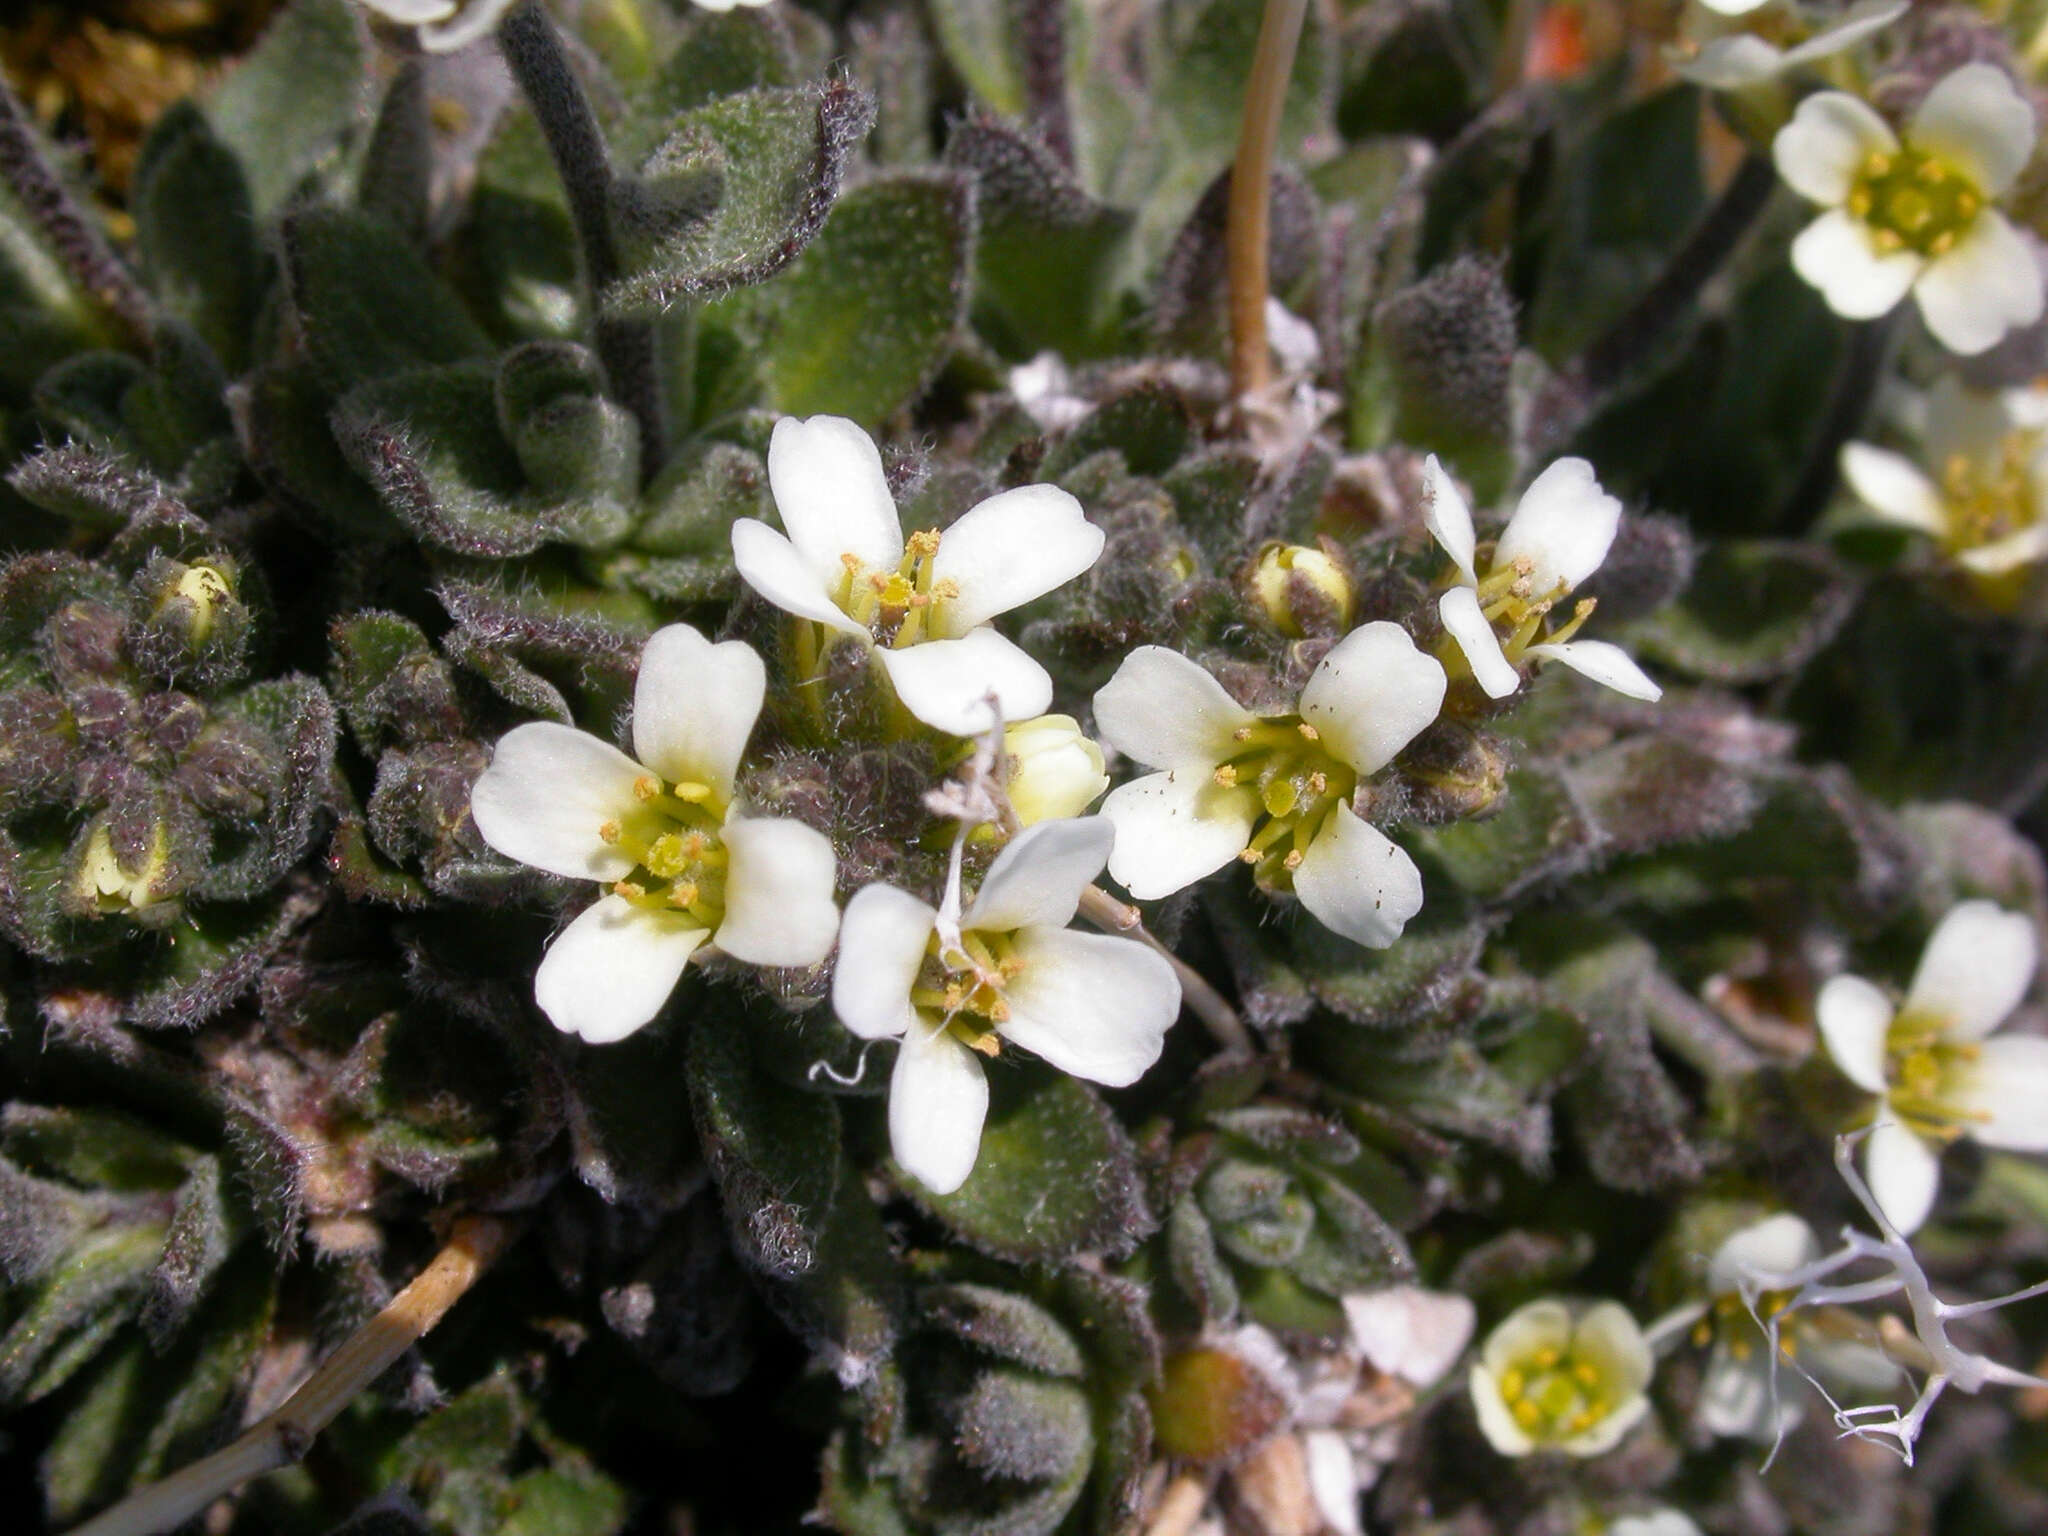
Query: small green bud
point(1302, 591)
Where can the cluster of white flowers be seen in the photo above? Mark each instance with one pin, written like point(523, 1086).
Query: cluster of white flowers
point(1914, 210)
point(688, 870)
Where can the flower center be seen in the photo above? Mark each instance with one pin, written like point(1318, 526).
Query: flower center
point(1555, 1394)
point(105, 885)
point(959, 988)
point(1988, 500)
point(897, 607)
point(1519, 614)
point(1300, 785)
point(1914, 202)
point(672, 838)
point(1926, 1071)
point(1729, 1321)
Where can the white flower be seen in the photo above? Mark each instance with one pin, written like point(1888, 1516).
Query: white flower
point(1936, 1075)
point(1657, 1522)
point(1915, 211)
point(1987, 502)
point(1052, 771)
point(921, 604)
point(684, 868)
point(947, 984)
point(1551, 1377)
point(1275, 792)
point(1730, 61)
point(1560, 533)
point(442, 31)
point(1743, 1394)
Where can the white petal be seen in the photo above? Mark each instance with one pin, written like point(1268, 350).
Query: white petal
point(1975, 120)
point(1448, 517)
point(1735, 1396)
point(1092, 1004)
point(1172, 828)
point(1373, 694)
point(411, 13)
point(1466, 622)
point(1357, 882)
point(1038, 878)
point(1165, 712)
point(2008, 1086)
point(826, 474)
point(1608, 665)
point(882, 942)
point(771, 565)
point(1408, 1332)
point(1903, 1172)
point(548, 790)
point(1564, 526)
point(475, 23)
point(1010, 549)
point(610, 971)
point(1660, 1522)
point(694, 706)
point(1527, 1330)
point(1496, 1422)
point(1777, 1245)
point(1608, 1335)
point(1610, 1430)
point(1333, 1480)
point(947, 683)
point(1729, 63)
point(1977, 966)
point(1854, 1019)
point(1985, 285)
point(1820, 151)
point(1865, 19)
point(778, 892)
point(1893, 487)
point(2026, 547)
point(1835, 255)
point(938, 1100)
point(1734, 7)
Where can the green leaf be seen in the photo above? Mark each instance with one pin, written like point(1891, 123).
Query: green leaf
point(775, 159)
point(979, 39)
point(773, 1149)
point(68, 1317)
point(1056, 1174)
point(1005, 1325)
point(861, 323)
point(1016, 1426)
point(1539, 832)
point(369, 305)
point(558, 1501)
point(1755, 611)
point(292, 98)
point(196, 233)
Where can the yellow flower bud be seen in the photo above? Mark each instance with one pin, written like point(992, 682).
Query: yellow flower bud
point(1302, 590)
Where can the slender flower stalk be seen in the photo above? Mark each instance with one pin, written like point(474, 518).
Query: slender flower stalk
point(1247, 238)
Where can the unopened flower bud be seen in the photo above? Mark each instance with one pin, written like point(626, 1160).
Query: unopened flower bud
point(82, 642)
point(1302, 590)
point(1054, 770)
point(189, 620)
point(1455, 773)
point(107, 880)
point(38, 745)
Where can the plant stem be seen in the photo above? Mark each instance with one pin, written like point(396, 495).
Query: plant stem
point(1247, 232)
point(285, 1435)
point(1203, 1000)
point(74, 235)
point(539, 62)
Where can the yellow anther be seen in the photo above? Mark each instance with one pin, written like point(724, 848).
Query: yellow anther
point(947, 590)
point(923, 544)
point(1249, 855)
point(1584, 1374)
point(609, 832)
point(1527, 1414)
point(646, 787)
point(1318, 782)
point(1293, 859)
point(1547, 1358)
point(1308, 732)
point(1242, 733)
point(1513, 1383)
point(629, 890)
point(683, 895)
point(1226, 776)
point(879, 581)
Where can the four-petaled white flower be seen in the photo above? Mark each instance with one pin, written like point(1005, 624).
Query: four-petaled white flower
point(1936, 1076)
point(1224, 771)
point(1552, 1377)
point(1744, 1394)
point(1913, 211)
point(1986, 504)
point(921, 604)
point(1789, 39)
point(685, 869)
point(443, 30)
point(1560, 533)
point(949, 983)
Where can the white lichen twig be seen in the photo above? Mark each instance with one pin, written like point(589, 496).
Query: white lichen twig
point(1945, 1363)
